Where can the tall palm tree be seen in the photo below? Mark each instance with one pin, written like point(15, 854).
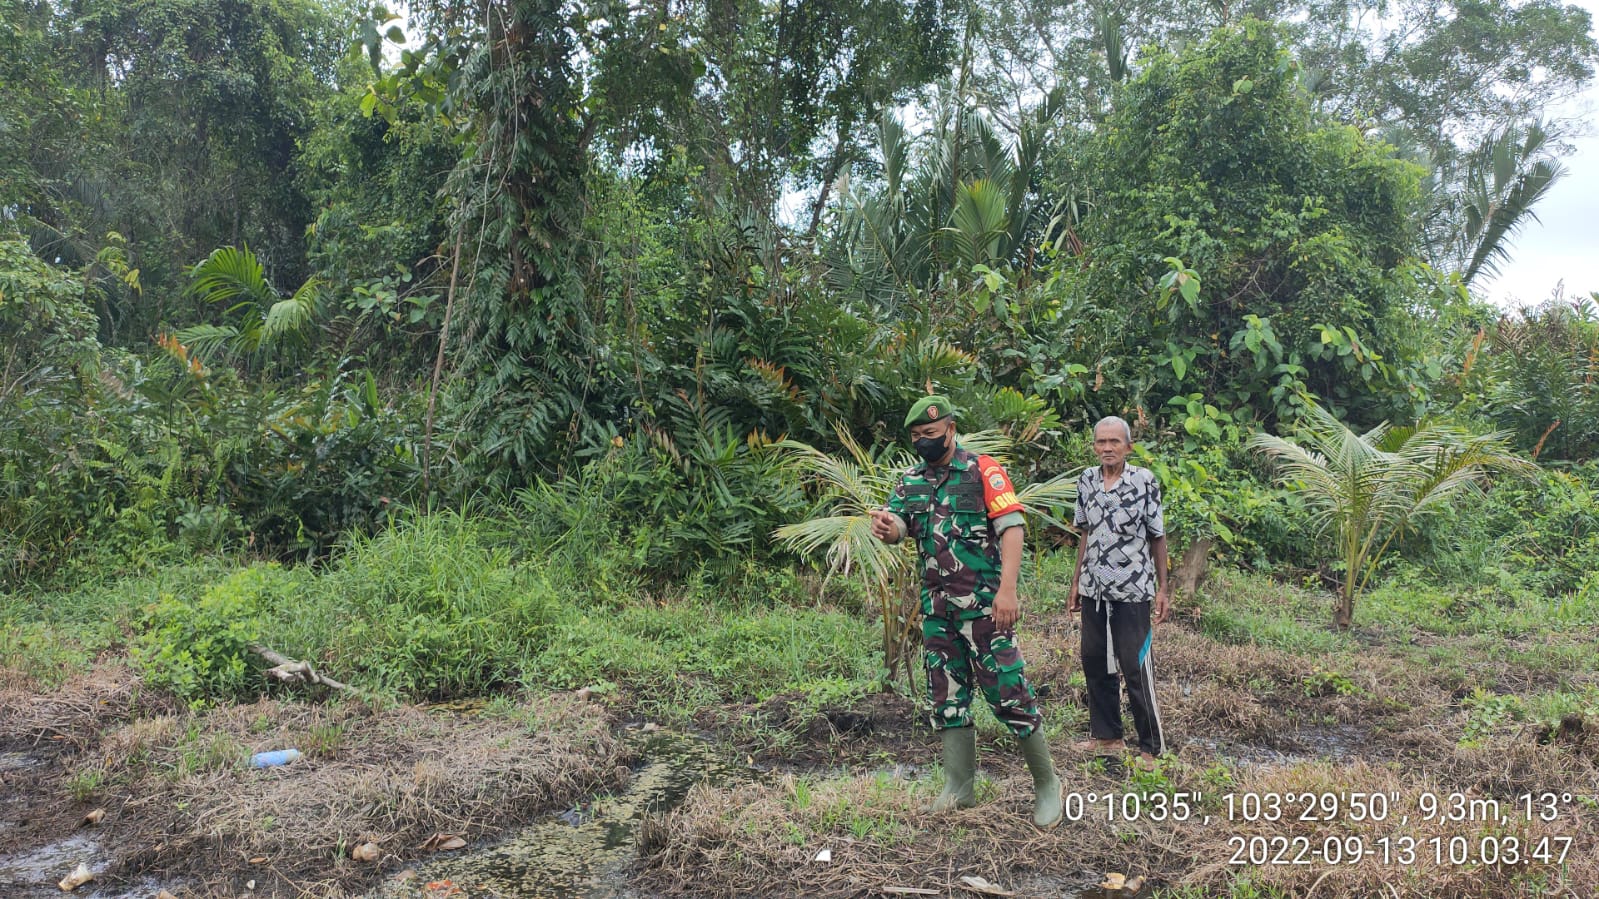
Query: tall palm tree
point(956, 197)
point(1477, 203)
point(851, 487)
point(1369, 488)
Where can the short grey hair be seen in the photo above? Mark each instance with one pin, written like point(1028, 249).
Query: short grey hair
point(1116, 420)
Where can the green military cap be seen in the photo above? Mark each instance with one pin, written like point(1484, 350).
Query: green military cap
point(929, 409)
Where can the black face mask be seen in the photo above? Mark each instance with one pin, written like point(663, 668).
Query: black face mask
point(931, 448)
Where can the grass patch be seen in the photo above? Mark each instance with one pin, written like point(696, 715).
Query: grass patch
point(1245, 608)
point(427, 609)
point(677, 657)
point(440, 608)
point(46, 637)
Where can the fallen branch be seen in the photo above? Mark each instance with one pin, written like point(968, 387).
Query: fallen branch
point(289, 671)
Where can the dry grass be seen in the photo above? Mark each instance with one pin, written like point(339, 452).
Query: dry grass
point(761, 840)
point(74, 714)
point(184, 805)
point(1397, 729)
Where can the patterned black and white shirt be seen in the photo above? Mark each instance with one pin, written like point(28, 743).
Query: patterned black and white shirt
point(1119, 522)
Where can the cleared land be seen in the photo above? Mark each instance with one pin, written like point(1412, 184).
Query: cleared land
point(1452, 697)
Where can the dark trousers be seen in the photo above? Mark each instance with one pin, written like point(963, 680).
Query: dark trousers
point(1130, 636)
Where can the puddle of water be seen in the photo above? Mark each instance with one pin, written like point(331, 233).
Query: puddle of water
point(34, 874)
point(18, 761)
point(584, 853)
point(1251, 754)
point(48, 864)
point(1338, 742)
point(1307, 744)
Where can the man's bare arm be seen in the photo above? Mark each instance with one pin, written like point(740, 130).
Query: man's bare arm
point(1007, 607)
point(1075, 601)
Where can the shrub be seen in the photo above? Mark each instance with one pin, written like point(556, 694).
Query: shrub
point(199, 650)
point(1214, 488)
point(1538, 378)
point(1541, 535)
point(427, 608)
point(664, 506)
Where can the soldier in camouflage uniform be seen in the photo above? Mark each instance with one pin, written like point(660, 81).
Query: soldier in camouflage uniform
point(967, 522)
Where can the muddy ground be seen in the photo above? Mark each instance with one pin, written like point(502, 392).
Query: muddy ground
point(1248, 721)
point(183, 812)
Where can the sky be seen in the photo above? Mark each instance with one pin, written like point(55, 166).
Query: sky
point(1563, 245)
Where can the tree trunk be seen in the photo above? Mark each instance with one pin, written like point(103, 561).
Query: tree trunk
point(1344, 615)
point(1191, 570)
point(438, 369)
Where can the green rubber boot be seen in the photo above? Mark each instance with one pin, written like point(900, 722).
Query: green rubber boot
point(960, 769)
point(1046, 786)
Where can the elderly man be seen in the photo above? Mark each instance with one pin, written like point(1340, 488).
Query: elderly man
point(967, 522)
point(1121, 567)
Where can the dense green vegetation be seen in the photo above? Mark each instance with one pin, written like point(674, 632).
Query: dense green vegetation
point(275, 297)
point(287, 302)
point(527, 346)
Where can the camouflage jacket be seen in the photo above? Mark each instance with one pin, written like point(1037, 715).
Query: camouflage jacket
point(955, 513)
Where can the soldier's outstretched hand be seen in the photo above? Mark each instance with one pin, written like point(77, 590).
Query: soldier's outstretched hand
point(884, 527)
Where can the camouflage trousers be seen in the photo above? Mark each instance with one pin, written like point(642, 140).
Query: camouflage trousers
point(956, 653)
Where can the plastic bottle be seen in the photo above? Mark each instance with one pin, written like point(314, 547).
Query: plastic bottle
point(272, 759)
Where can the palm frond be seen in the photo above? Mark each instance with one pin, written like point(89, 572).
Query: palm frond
point(230, 274)
point(1042, 498)
point(208, 341)
point(292, 319)
point(978, 222)
point(1306, 471)
point(840, 481)
point(1508, 174)
point(989, 443)
point(1440, 462)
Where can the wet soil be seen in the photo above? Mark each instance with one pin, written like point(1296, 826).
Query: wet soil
point(1242, 711)
point(586, 852)
point(33, 812)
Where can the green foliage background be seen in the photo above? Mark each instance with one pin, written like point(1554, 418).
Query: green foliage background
point(286, 280)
